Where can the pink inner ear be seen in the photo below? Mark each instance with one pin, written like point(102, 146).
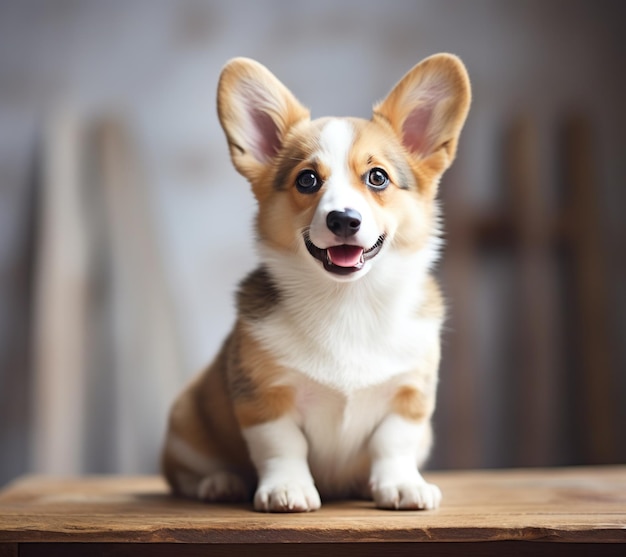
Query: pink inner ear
point(415, 130)
point(261, 134)
point(264, 137)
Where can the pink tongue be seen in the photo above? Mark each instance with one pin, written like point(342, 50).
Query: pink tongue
point(345, 256)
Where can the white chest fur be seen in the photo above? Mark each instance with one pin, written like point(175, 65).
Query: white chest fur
point(337, 428)
point(347, 347)
point(350, 336)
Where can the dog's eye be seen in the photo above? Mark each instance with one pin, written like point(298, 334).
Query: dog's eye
point(308, 182)
point(377, 179)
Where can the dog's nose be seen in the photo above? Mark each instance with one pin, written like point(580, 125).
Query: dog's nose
point(344, 223)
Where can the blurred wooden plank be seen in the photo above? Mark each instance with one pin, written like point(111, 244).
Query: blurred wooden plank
point(20, 166)
point(499, 230)
point(576, 505)
point(60, 292)
point(146, 356)
point(598, 387)
point(459, 434)
point(536, 368)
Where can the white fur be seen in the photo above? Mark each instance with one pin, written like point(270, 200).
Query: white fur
point(278, 450)
point(338, 427)
point(336, 439)
point(395, 480)
point(349, 335)
point(335, 142)
point(350, 346)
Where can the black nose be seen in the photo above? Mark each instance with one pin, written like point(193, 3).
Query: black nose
point(344, 223)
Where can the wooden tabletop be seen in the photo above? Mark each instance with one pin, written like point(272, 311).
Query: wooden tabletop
point(575, 505)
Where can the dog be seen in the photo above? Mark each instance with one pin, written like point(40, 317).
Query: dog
point(326, 385)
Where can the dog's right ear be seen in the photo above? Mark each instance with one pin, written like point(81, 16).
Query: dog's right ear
point(256, 111)
point(427, 109)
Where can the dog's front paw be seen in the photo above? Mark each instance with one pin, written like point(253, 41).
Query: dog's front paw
point(409, 496)
point(287, 497)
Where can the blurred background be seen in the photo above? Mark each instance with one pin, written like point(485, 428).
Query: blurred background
point(119, 258)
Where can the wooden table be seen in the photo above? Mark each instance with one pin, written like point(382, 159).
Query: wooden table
point(573, 511)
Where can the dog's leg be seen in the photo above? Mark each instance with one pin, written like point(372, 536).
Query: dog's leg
point(279, 452)
point(192, 468)
point(396, 448)
point(204, 455)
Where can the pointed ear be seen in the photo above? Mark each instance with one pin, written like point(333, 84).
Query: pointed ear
point(256, 111)
point(427, 109)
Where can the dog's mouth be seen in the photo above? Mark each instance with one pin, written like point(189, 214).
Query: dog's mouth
point(345, 258)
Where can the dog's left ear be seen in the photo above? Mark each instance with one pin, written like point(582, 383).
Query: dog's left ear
point(256, 111)
point(427, 109)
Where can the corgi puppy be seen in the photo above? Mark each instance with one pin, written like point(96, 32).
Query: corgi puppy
point(325, 386)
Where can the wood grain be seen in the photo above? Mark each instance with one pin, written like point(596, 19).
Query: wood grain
point(578, 505)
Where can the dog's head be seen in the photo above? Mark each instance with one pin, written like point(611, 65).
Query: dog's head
point(342, 192)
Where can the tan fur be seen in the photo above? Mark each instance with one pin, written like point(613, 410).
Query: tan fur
point(203, 417)
point(412, 404)
point(417, 401)
point(256, 396)
point(235, 391)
